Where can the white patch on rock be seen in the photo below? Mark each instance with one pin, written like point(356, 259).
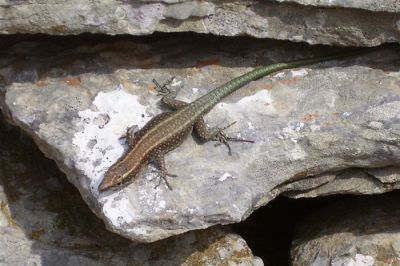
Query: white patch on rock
point(298, 38)
point(299, 127)
point(297, 153)
point(279, 75)
point(362, 260)
point(223, 252)
point(176, 82)
point(346, 114)
point(239, 245)
point(331, 102)
point(140, 231)
point(315, 127)
point(185, 10)
point(375, 125)
point(299, 73)
point(225, 177)
point(194, 210)
point(259, 103)
point(291, 131)
point(161, 204)
point(151, 201)
point(118, 209)
point(98, 145)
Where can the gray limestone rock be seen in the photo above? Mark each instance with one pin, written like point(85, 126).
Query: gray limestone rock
point(363, 231)
point(366, 23)
point(353, 181)
point(77, 100)
point(372, 5)
point(43, 221)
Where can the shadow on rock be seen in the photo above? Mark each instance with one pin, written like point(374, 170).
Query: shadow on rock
point(44, 221)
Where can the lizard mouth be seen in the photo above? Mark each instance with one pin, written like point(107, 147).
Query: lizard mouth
point(106, 185)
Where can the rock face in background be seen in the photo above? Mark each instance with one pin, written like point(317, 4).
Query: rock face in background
point(353, 232)
point(352, 181)
point(43, 221)
point(391, 6)
point(366, 23)
point(309, 125)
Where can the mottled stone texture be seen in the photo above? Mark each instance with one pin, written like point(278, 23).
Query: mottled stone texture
point(309, 125)
point(363, 231)
point(366, 23)
point(372, 5)
point(43, 221)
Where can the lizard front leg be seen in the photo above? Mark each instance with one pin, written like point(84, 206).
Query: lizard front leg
point(157, 155)
point(158, 158)
point(169, 95)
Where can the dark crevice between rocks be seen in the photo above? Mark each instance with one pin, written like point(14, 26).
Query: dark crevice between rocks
point(270, 230)
point(33, 185)
point(195, 50)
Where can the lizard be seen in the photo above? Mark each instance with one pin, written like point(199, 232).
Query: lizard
point(167, 130)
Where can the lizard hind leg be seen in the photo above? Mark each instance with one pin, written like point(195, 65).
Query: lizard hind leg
point(216, 134)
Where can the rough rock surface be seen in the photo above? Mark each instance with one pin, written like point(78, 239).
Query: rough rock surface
point(261, 19)
point(352, 181)
point(372, 5)
point(76, 101)
point(363, 231)
point(43, 221)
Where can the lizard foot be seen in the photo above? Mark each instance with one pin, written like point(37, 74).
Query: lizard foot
point(163, 89)
point(224, 139)
point(163, 176)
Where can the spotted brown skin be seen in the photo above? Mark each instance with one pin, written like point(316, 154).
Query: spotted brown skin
point(168, 130)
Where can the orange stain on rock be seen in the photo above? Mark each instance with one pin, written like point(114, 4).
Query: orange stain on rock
point(270, 86)
point(309, 117)
point(204, 63)
point(41, 83)
point(265, 86)
point(74, 82)
point(152, 87)
point(289, 81)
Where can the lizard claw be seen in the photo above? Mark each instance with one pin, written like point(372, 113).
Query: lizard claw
point(163, 89)
point(164, 177)
point(222, 138)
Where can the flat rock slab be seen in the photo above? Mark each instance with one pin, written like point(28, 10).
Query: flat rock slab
point(77, 103)
point(365, 23)
point(372, 5)
point(348, 181)
point(358, 231)
point(43, 221)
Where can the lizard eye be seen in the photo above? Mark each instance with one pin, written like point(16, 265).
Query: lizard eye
point(120, 180)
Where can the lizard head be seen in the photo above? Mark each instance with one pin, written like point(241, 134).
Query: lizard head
point(115, 176)
point(124, 169)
